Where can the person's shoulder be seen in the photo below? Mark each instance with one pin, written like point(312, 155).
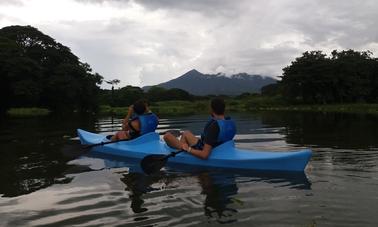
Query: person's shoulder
point(135, 122)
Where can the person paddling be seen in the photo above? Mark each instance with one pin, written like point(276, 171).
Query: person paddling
point(218, 129)
point(138, 121)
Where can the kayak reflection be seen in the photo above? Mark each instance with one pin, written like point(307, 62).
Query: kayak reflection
point(291, 179)
point(220, 187)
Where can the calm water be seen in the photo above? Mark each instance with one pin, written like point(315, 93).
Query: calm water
point(47, 180)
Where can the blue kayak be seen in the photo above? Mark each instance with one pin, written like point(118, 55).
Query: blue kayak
point(225, 155)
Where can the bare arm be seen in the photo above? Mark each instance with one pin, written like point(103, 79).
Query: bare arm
point(203, 154)
point(136, 125)
point(125, 123)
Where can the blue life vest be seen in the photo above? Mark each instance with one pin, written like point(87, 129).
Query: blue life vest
point(148, 123)
point(227, 129)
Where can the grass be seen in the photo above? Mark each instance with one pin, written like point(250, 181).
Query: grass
point(28, 112)
point(167, 108)
point(261, 103)
point(252, 104)
point(174, 108)
point(108, 110)
point(179, 108)
point(335, 108)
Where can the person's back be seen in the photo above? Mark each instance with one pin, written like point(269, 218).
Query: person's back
point(218, 130)
point(142, 122)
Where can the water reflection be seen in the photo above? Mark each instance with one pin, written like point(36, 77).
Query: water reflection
point(30, 152)
point(138, 184)
point(39, 160)
point(329, 130)
point(219, 190)
point(220, 187)
point(35, 151)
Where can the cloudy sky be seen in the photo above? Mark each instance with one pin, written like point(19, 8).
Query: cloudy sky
point(144, 42)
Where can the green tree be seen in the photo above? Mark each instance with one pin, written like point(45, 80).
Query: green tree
point(156, 93)
point(112, 82)
point(38, 71)
point(271, 90)
point(128, 95)
point(345, 76)
point(355, 75)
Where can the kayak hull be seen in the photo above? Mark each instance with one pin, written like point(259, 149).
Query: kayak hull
point(223, 156)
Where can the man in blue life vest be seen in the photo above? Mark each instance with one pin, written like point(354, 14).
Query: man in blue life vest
point(218, 129)
point(138, 121)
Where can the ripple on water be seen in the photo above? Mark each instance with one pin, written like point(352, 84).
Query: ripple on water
point(339, 188)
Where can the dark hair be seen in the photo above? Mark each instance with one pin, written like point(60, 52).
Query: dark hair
point(139, 107)
point(218, 106)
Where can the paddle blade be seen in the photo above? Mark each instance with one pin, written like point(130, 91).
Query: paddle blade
point(153, 163)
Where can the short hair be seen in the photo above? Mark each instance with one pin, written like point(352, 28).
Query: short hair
point(139, 107)
point(218, 106)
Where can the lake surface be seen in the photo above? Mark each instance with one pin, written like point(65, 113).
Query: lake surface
point(47, 180)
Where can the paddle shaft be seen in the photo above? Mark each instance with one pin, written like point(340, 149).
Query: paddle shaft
point(116, 141)
point(103, 143)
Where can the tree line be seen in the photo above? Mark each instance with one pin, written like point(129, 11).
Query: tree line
point(125, 96)
point(37, 71)
point(345, 76)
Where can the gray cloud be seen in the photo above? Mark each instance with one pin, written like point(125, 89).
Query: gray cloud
point(208, 7)
point(11, 2)
point(150, 41)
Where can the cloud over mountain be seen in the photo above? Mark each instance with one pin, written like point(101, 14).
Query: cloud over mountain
point(144, 42)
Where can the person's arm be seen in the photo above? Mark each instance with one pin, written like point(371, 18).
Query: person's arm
point(209, 141)
point(125, 123)
point(203, 154)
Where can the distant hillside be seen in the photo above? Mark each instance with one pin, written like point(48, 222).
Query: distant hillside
point(197, 83)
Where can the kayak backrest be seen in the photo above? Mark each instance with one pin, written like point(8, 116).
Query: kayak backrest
point(227, 130)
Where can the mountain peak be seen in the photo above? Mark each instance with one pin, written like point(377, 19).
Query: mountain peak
point(191, 74)
point(198, 83)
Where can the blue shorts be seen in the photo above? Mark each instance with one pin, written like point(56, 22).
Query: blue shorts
point(198, 145)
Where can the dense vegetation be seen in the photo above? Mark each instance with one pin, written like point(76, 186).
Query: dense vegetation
point(344, 77)
point(127, 95)
point(37, 71)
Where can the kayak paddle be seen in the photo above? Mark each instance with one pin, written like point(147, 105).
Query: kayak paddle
point(103, 143)
point(154, 162)
point(174, 132)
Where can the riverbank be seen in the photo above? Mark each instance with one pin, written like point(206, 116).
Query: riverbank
point(167, 108)
point(177, 108)
point(28, 112)
point(332, 108)
point(183, 108)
